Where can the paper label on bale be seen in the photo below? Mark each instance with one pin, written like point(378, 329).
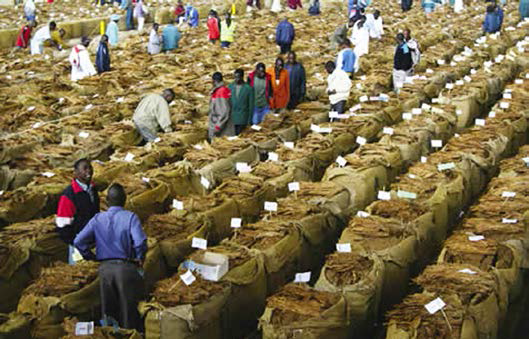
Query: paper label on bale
point(198, 147)
point(272, 156)
point(270, 206)
point(232, 138)
point(31, 108)
point(460, 82)
point(509, 221)
point(1, 193)
point(473, 71)
point(504, 105)
point(293, 186)
point(36, 125)
point(302, 277)
point(459, 112)
point(255, 127)
point(424, 159)
point(129, 157)
point(508, 194)
point(343, 248)
point(526, 160)
point(84, 328)
point(289, 144)
point(205, 182)
point(341, 161)
point(359, 86)
point(157, 140)
point(362, 214)
point(406, 116)
point(518, 81)
point(426, 107)
point(387, 130)
point(84, 135)
point(435, 305)
point(416, 111)
point(480, 122)
point(475, 237)
point(437, 143)
point(355, 108)
point(492, 114)
point(361, 140)
point(315, 128)
point(120, 99)
point(449, 86)
point(447, 166)
point(382, 195)
point(429, 71)
point(177, 204)
point(48, 174)
point(406, 194)
point(199, 243)
point(243, 167)
point(412, 176)
point(440, 62)
point(326, 129)
point(332, 115)
point(467, 78)
point(236, 222)
point(363, 98)
point(145, 179)
point(188, 278)
point(467, 271)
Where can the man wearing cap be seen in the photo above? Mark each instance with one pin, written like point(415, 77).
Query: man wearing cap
point(82, 66)
point(113, 30)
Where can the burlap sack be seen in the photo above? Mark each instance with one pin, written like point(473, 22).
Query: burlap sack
point(14, 326)
point(151, 201)
point(15, 275)
point(199, 321)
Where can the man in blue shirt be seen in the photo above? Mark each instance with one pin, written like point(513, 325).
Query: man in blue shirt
point(120, 246)
point(492, 23)
point(170, 37)
point(285, 35)
point(346, 58)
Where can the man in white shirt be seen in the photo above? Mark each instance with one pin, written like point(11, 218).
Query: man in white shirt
point(42, 34)
point(360, 39)
point(338, 87)
point(82, 66)
point(155, 41)
point(374, 25)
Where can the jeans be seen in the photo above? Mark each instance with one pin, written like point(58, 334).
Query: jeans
point(338, 107)
point(259, 113)
point(225, 44)
point(129, 20)
point(145, 133)
point(285, 48)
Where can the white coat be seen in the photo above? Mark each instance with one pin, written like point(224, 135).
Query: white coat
point(37, 42)
point(82, 67)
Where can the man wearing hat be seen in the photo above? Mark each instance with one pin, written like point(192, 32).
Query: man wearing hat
point(113, 30)
point(82, 66)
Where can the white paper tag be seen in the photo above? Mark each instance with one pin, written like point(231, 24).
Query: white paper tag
point(129, 157)
point(518, 81)
point(325, 130)
point(507, 96)
point(343, 248)
point(36, 125)
point(492, 114)
point(467, 271)
point(467, 78)
point(426, 107)
point(120, 99)
point(84, 135)
point(449, 86)
point(509, 221)
point(84, 328)
point(437, 143)
point(1, 193)
point(383, 195)
point(362, 214)
point(289, 144)
point(355, 108)
point(435, 305)
point(507, 194)
point(31, 108)
point(302, 277)
point(429, 71)
point(236, 222)
point(424, 159)
point(363, 98)
point(504, 105)
point(315, 128)
point(406, 194)
point(293, 186)
point(199, 243)
point(232, 138)
point(358, 86)
point(473, 71)
point(406, 116)
point(387, 130)
point(243, 167)
point(416, 111)
point(88, 107)
point(188, 278)
point(447, 166)
point(480, 122)
point(460, 82)
point(48, 174)
point(270, 206)
point(198, 147)
point(475, 237)
point(333, 115)
point(459, 112)
point(440, 62)
point(255, 127)
point(341, 161)
point(272, 156)
point(177, 204)
point(145, 179)
point(361, 140)
point(412, 176)
point(205, 182)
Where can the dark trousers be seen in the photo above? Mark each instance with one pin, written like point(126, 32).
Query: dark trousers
point(121, 288)
point(339, 107)
point(129, 23)
point(239, 129)
point(285, 48)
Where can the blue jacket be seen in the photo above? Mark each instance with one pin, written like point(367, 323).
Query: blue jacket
point(102, 58)
point(285, 33)
point(170, 36)
point(346, 60)
point(315, 8)
point(116, 234)
point(491, 23)
point(191, 16)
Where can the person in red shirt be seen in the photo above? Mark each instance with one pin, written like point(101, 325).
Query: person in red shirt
point(25, 35)
point(213, 27)
point(179, 11)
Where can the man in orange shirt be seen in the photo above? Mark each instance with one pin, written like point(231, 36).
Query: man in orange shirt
point(280, 86)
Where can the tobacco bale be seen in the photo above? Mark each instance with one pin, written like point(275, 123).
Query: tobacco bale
point(99, 332)
point(494, 228)
point(376, 233)
point(400, 209)
point(344, 269)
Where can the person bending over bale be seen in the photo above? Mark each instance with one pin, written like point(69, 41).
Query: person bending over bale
point(153, 114)
point(120, 245)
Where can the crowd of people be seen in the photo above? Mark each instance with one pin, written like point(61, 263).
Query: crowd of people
point(117, 235)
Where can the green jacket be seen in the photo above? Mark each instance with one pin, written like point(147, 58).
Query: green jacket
point(242, 105)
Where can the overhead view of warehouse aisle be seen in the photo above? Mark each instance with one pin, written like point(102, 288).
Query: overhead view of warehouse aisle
point(395, 217)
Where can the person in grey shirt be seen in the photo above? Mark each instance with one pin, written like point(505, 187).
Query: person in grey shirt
point(153, 114)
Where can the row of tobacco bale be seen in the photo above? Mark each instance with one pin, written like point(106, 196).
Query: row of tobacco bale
point(396, 236)
point(478, 272)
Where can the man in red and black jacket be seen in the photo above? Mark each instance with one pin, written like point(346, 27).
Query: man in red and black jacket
point(79, 202)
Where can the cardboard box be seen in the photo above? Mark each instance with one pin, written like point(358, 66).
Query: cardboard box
point(211, 266)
